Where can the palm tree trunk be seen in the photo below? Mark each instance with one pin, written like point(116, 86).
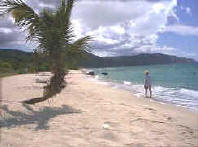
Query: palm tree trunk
point(57, 83)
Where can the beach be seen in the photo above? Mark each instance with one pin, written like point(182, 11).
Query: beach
point(88, 113)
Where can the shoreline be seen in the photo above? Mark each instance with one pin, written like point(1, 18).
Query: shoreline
point(118, 86)
point(135, 90)
point(121, 86)
point(90, 114)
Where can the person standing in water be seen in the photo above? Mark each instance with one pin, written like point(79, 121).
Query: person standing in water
point(147, 83)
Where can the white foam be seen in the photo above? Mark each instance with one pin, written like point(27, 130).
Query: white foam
point(189, 92)
point(97, 77)
point(181, 97)
point(127, 83)
point(178, 96)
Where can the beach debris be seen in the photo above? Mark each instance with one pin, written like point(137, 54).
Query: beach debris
point(106, 126)
point(43, 77)
point(92, 73)
point(169, 118)
point(44, 74)
point(39, 80)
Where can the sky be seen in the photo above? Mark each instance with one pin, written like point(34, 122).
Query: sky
point(122, 27)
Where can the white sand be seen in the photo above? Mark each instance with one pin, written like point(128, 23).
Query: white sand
point(89, 114)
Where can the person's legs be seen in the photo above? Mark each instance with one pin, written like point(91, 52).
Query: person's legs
point(146, 92)
point(150, 91)
point(146, 88)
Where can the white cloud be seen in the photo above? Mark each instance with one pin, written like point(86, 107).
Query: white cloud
point(135, 51)
point(124, 25)
point(182, 29)
point(104, 35)
point(106, 13)
point(78, 28)
point(6, 30)
point(117, 29)
point(186, 9)
point(43, 5)
point(158, 7)
point(155, 49)
point(120, 28)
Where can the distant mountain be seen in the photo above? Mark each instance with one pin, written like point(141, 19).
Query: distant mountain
point(13, 55)
point(19, 61)
point(17, 57)
point(141, 59)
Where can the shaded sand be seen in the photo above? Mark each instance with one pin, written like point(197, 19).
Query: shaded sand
point(89, 114)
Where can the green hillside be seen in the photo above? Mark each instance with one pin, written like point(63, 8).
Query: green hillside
point(141, 59)
point(16, 61)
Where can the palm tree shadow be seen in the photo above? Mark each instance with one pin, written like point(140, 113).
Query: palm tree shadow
point(40, 117)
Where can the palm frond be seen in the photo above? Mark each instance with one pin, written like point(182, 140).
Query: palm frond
point(79, 47)
point(63, 20)
point(25, 17)
point(21, 12)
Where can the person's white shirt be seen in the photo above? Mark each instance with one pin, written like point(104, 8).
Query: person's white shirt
point(148, 81)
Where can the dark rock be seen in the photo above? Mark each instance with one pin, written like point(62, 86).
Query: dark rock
point(92, 73)
point(104, 73)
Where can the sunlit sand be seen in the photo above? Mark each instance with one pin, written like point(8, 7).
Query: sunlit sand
point(89, 114)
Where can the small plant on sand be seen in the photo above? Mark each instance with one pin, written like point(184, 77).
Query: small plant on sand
point(52, 31)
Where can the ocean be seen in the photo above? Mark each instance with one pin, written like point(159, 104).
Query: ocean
point(171, 83)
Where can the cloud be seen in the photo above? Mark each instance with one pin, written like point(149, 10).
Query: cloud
point(186, 9)
point(182, 29)
point(122, 27)
point(134, 50)
point(43, 5)
point(96, 14)
point(8, 31)
point(119, 27)
point(5, 30)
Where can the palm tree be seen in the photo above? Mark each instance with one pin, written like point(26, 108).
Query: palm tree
point(54, 35)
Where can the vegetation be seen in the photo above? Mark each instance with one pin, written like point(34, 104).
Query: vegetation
point(19, 62)
point(54, 35)
point(13, 62)
point(27, 59)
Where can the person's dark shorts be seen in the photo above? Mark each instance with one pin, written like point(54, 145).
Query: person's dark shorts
point(147, 86)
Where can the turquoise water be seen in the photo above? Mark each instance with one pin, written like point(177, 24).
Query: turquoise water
point(172, 83)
